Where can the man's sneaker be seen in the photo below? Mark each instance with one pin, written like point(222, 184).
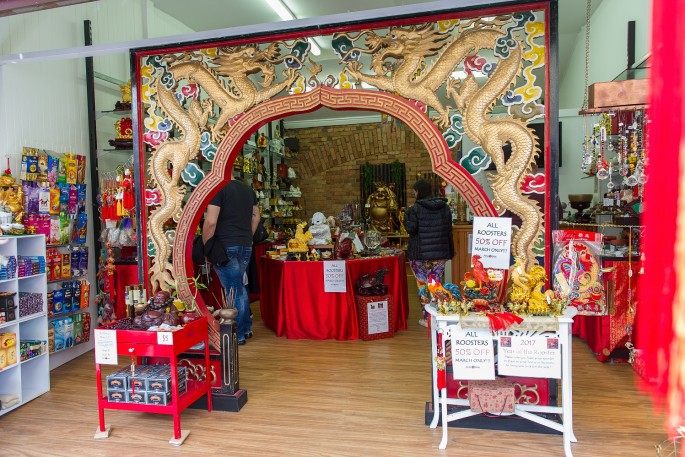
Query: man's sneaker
point(423, 323)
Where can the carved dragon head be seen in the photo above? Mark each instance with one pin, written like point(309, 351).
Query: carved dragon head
point(248, 60)
point(403, 42)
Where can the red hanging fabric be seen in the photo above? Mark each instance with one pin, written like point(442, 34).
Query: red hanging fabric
point(662, 301)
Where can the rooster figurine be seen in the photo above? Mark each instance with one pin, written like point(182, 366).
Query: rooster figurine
point(477, 272)
point(436, 289)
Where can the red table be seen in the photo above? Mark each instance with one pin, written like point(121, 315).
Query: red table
point(294, 304)
point(138, 344)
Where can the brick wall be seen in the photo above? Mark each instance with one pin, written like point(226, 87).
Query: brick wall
point(330, 157)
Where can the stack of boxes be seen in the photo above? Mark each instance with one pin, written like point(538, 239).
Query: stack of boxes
point(8, 349)
point(151, 384)
point(67, 265)
point(29, 349)
point(8, 267)
point(30, 265)
point(68, 331)
point(72, 296)
point(7, 307)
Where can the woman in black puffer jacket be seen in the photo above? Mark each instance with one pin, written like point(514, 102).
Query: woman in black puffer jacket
point(429, 225)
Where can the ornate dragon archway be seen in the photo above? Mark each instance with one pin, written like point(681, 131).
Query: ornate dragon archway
point(206, 99)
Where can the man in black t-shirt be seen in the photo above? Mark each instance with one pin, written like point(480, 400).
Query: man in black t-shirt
point(232, 216)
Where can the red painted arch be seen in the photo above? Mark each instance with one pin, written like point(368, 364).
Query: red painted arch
point(338, 99)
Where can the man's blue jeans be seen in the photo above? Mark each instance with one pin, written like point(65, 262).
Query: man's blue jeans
point(231, 276)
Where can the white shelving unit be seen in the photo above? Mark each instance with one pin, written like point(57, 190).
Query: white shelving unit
point(30, 378)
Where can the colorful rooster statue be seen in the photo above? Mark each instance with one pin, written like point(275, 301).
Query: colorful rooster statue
point(478, 272)
point(437, 291)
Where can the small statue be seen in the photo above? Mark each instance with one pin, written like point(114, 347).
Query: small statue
point(321, 232)
point(299, 242)
point(382, 208)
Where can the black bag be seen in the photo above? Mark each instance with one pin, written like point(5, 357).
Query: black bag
point(213, 250)
point(198, 252)
point(261, 234)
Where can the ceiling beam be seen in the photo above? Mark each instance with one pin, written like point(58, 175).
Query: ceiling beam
point(322, 22)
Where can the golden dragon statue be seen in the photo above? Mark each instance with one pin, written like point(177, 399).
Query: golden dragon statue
point(236, 64)
point(411, 47)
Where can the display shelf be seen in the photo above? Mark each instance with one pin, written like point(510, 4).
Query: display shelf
point(9, 367)
point(64, 245)
point(70, 313)
point(34, 358)
point(31, 276)
point(26, 380)
point(113, 113)
point(2, 281)
point(71, 278)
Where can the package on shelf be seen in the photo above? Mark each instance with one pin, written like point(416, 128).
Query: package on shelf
point(29, 349)
point(64, 333)
point(137, 396)
point(30, 303)
point(51, 339)
point(85, 326)
point(11, 355)
point(7, 340)
point(71, 296)
point(7, 307)
point(78, 328)
point(30, 265)
point(8, 267)
point(3, 358)
point(60, 265)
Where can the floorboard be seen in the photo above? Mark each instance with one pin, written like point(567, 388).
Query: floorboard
point(330, 398)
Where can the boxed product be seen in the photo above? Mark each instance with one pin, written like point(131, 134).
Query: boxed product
point(58, 301)
point(64, 333)
point(66, 266)
point(11, 355)
point(137, 396)
point(85, 324)
point(158, 398)
point(78, 328)
point(51, 339)
point(160, 381)
point(118, 380)
point(116, 396)
point(7, 307)
point(3, 358)
point(7, 340)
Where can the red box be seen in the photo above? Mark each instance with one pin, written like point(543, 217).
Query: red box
point(493, 397)
point(379, 305)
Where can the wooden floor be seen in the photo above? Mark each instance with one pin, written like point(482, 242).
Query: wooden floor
point(330, 398)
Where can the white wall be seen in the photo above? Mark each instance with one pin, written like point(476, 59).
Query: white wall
point(44, 104)
point(608, 58)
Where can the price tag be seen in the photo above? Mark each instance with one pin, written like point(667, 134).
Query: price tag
point(106, 346)
point(165, 338)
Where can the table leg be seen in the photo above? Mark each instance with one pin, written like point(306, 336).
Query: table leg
point(434, 354)
point(209, 377)
point(445, 423)
point(566, 393)
point(174, 398)
point(569, 369)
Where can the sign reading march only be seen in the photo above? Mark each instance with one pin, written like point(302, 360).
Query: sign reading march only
point(491, 241)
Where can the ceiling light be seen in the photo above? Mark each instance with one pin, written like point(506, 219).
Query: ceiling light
point(284, 13)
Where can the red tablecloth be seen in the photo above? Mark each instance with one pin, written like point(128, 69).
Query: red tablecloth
point(294, 304)
point(604, 334)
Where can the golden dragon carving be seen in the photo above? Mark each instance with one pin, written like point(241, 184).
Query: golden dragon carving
point(236, 64)
point(410, 47)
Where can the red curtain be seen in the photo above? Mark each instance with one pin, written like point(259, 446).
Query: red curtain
point(661, 299)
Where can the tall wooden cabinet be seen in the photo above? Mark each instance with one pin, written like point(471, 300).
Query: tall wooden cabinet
point(461, 262)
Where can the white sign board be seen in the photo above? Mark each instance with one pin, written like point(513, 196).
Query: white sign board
point(492, 241)
point(334, 276)
point(473, 356)
point(377, 312)
point(165, 338)
point(537, 356)
point(105, 346)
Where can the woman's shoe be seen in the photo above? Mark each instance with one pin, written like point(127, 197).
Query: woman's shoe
point(423, 323)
